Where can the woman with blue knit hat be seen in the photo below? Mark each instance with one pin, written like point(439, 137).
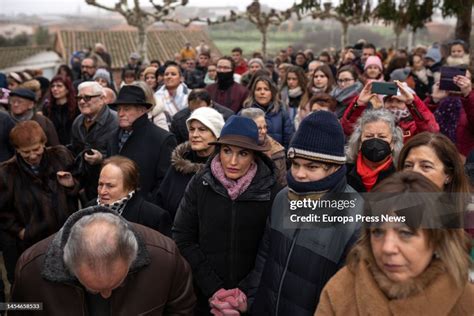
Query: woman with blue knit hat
point(296, 260)
point(221, 218)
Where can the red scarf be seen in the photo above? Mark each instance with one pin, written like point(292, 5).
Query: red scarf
point(369, 176)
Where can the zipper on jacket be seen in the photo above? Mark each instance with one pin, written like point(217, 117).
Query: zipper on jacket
point(232, 242)
point(285, 268)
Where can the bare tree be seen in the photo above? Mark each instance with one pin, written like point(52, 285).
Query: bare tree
point(141, 19)
point(262, 20)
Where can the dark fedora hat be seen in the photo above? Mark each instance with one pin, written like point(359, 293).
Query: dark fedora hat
point(131, 95)
point(241, 132)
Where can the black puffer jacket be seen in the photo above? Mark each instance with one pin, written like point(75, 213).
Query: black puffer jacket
point(293, 265)
point(220, 237)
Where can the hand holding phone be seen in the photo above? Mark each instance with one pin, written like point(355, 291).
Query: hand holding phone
point(446, 82)
point(386, 88)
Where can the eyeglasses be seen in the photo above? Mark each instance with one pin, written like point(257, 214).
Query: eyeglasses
point(340, 81)
point(86, 98)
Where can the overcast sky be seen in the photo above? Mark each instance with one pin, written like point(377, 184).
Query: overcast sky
point(10, 7)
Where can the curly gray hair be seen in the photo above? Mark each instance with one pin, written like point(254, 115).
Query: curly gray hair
point(371, 116)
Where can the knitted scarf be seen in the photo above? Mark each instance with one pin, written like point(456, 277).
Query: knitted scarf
point(234, 187)
point(342, 94)
point(333, 183)
point(119, 205)
point(369, 176)
point(447, 115)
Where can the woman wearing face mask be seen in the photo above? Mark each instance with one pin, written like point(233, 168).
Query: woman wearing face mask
point(221, 218)
point(373, 150)
point(411, 114)
point(420, 267)
point(294, 91)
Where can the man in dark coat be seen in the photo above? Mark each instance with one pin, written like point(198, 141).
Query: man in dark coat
point(196, 99)
point(141, 141)
point(37, 194)
point(227, 92)
point(91, 134)
point(6, 124)
point(100, 264)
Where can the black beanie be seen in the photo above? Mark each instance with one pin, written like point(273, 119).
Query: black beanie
point(320, 138)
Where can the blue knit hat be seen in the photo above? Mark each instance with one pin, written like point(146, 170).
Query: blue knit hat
point(242, 132)
point(319, 137)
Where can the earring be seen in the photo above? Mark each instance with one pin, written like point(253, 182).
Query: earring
point(447, 181)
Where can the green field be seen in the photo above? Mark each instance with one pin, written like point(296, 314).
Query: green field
point(250, 41)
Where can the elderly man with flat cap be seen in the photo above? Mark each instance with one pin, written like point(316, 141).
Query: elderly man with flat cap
point(22, 108)
point(100, 264)
point(141, 141)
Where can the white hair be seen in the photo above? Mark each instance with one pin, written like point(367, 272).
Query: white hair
point(95, 86)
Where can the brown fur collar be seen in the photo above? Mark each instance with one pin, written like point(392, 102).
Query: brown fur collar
point(397, 290)
point(276, 149)
point(181, 164)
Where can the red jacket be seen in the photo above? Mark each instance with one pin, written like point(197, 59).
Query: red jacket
point(421, 120)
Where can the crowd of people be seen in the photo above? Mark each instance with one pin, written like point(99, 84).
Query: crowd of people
point(165, 188)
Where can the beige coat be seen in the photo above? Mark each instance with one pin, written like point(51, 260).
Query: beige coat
point(433, 293)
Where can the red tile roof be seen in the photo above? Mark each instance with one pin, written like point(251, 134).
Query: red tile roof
point(161, 44)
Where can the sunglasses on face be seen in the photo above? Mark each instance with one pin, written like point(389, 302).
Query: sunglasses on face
point(86, 98)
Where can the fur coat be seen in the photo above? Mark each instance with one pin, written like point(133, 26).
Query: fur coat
point(367, 291)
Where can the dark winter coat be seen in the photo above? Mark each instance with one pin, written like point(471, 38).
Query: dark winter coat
point(59, 116)
point(158, 282)
point(232, 98)
point(178, 124)
point(293, 265)
point(150, 147)
point(48, 128)
point(98, 137)
point(37, 203)
point(279, 125)
point(220, 237)
point(139, 211)
point(184, 165)
point(355, 181)
point(6, 125)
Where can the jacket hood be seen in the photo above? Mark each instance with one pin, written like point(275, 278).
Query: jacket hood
point(54, 268)
point(181, 163)
point(259, 189)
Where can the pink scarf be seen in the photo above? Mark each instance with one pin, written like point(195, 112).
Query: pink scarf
point(234, 187)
